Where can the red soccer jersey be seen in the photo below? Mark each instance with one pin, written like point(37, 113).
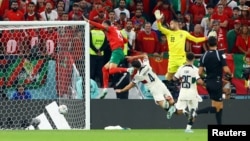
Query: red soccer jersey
point(114, 36)
point(198, 12)
point(147, 43)
point(227, 11)
point(220, 18)
point(141, 21)
point(163, 47)
point(222, 40)
point(34, 17)
point(231, 23)
point(243, 43)
point(4, 6)
point(196, 48)
point(14, 16)
point(92, 14)
point(40, 9)
point(11, 41)
point(75, 16)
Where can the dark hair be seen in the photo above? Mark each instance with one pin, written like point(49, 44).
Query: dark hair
point(236, 8)
point(136, 64)
point(32, 3)
point(190, 56)
point(212, 41)
point(107, 22)
point(176, 20)
point(209, 6)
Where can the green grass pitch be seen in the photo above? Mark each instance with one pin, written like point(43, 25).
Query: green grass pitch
point(104, 135)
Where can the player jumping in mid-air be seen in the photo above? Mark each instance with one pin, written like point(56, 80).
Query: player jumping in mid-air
point(145, 74)
point(188, 97)
point(176, 43)
point(116, 42)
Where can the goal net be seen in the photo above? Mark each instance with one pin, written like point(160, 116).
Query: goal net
point(44, 64)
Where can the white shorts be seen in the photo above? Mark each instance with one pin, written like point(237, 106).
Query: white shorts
point(160, 91)
point(190, 104)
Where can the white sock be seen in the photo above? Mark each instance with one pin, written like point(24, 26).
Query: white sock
point(105, 89)
point(188, 127)
point(165, 104)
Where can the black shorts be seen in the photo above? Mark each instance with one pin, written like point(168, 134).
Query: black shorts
point(214, 89)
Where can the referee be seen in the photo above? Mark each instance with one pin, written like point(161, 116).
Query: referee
point(213, 64)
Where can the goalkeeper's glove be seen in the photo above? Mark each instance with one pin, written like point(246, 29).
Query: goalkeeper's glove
point(158, 14)
point(212, 33)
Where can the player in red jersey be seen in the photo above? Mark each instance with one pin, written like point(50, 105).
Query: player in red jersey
point(116, 42)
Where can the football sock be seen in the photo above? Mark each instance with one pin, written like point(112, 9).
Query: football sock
point(218, 116)
point(188, 127)
point(105, 75)
point(165, 105)
point(117, 70)
point(206, 110)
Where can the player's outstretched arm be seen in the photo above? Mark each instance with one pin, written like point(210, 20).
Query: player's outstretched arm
point(158, 16)
point(140, 56)
point(98, 25)
point(126, 88)
point(195, 39)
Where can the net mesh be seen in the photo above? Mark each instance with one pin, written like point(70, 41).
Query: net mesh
point(39, 65)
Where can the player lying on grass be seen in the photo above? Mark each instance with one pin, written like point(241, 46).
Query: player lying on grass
point(145, 74)
point(188, 97)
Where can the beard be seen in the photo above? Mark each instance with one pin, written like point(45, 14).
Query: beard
point(15, 9)
point(48, 10)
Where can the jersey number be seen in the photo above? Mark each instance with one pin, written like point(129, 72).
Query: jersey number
point(172, 39)
point(151, 78)
point(185, 83)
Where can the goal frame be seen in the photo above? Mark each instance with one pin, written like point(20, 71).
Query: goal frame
point(86, 52)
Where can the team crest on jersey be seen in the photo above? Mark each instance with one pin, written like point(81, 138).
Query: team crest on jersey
point(158, 59)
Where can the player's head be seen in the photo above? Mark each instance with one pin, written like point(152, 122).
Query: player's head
point(212, 41)
point(106, 23)
point(136, 64)
point(190, 56)
point(174, 24)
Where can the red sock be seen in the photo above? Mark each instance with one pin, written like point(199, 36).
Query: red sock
point(105, 77)
point(117, 70)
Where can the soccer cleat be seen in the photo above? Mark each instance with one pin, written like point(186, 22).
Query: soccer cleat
point(104, 93)
point(170, 112)
point(189, 131)
point(130, 70)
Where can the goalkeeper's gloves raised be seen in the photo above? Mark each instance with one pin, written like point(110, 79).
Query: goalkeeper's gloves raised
point(158, 14)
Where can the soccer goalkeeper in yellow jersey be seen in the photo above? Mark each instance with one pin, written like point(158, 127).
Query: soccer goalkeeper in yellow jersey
point(176, 43)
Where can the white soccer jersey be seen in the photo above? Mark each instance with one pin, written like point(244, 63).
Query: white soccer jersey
point(188, 75)
point(149, 78)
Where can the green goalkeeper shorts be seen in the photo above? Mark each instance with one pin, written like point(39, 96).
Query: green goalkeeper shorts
point(117, 56)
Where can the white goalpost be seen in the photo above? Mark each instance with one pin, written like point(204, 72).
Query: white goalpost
point(50, 61)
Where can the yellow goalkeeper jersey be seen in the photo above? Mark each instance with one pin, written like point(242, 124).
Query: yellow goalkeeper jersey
point(177, 40)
